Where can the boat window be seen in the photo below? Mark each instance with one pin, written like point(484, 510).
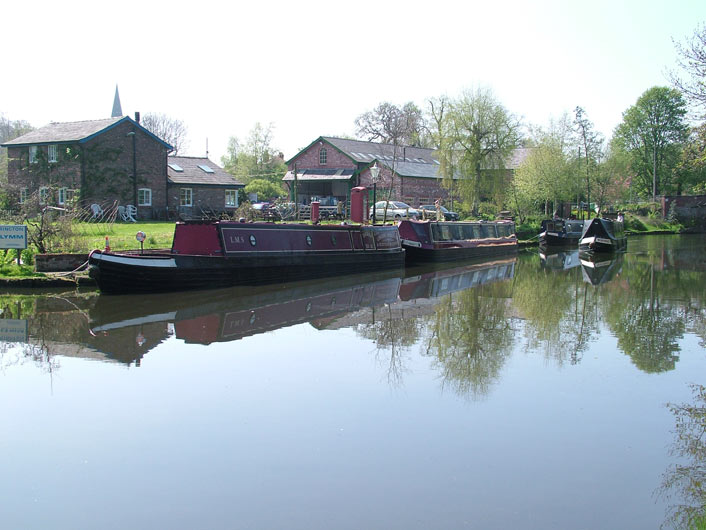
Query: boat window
point(456, 232)
point(253, 240)
point(446, 232)
point(477, 232)
point(502, 230)
point(436, 232)
point(308, 239)
point(333, 239)
point(489, 231)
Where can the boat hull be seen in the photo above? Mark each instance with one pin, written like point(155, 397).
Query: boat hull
point(603, 236)
point(272, 255)
point(440, 254)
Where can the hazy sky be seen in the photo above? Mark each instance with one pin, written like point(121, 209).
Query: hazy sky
point(310, 67)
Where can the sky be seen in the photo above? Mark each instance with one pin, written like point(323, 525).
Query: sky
point(311, 67)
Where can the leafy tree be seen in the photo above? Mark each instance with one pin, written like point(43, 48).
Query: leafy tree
point(692, 60)
point(692, 166)
point(478, 138)
point(256, 159)
point(171, 130)
point(652, 133)
point(265, 189)
point(546, 174)
point(9, 130)
point(389, 124)
point(591, 144)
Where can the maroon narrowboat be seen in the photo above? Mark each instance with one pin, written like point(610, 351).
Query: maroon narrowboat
point(436, 241)
point(215, 254)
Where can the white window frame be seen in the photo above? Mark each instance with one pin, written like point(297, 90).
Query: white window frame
point(52, 153)
point(231, 198)
point(323, 156)
point(186, 197)
point(144, 197)
point(32, 154)
point(61, 195)
point(43, 195)
point(24, 195)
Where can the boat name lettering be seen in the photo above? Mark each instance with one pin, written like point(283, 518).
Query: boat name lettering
point(237, 239)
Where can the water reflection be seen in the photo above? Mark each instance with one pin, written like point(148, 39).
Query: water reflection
point(465, 317)
point(684, 484)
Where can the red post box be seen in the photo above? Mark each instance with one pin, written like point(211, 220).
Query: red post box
point(314, 212)
point(358, 196)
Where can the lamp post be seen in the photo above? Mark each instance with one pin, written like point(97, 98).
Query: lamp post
point(375, 175)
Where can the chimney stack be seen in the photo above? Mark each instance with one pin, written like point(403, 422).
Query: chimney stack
point(137, 117)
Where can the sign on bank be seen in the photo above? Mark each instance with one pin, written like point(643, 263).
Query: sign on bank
point(13, 236)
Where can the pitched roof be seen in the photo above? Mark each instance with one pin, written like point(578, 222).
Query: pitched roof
point(198, 171)
point(74, 131)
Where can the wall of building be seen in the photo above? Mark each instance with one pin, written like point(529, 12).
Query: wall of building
point(309, 159)
point(689, 210)
point(206, 200)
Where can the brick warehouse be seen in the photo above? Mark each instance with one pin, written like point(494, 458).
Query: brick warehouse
point(331, 167)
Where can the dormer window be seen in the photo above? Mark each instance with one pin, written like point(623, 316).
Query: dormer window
point(322, 156)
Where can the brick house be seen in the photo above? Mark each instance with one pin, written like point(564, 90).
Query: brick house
point(196, 187)
point(330, 167)
point(113, 161)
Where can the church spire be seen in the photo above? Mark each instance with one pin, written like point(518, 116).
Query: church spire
point(117, 109)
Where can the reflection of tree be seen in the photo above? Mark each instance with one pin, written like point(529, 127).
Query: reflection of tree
point(392, 331)
point(471, 337)
point(560, 310)
point(687, 482)
point(646, 325)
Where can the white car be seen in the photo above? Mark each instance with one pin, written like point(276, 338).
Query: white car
point(395, 210)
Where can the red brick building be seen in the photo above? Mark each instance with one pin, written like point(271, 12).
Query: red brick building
point(113, 161)
point(196, 187)
point(330, 167)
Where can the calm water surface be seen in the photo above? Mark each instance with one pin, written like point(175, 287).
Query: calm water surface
point(520, 393)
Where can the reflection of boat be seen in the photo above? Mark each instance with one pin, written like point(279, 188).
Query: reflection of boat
point(560, 233)
point(599, 269)
point(559, 260)
point(436, 241)
point(218, 254)
point(441, 282)
point(216, 316)
point(603, 235)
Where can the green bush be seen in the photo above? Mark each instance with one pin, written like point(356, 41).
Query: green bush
point(634, 224)
point(528, 230)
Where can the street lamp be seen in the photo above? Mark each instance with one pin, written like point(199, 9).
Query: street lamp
point(375, 175)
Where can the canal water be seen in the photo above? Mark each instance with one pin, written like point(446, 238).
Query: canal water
point(535, 392)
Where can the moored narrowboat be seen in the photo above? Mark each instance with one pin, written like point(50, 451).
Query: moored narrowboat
point(603, 235)
point(561, 233)
point(436, 241)
point(214, 254)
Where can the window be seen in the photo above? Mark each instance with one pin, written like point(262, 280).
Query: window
point(185, 197)
point(231, 198)
point(24, 192)
point(144, 197)
point(32, 154)
point(53, 153)
point(205, 168)
point(322, 156)
point(62, 196)
point(43, 195)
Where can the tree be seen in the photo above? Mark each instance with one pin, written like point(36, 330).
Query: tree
point(692, 60)
point(546, 174)
point(264, 189)
point(478, 138)
point(9, 130)
point(171, 130)
point(389, 124)
point(653, 132)
point(256, 159)
point(591, 143)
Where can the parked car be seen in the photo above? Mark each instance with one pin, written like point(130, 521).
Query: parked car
point(395, 210)
point(429, 211)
